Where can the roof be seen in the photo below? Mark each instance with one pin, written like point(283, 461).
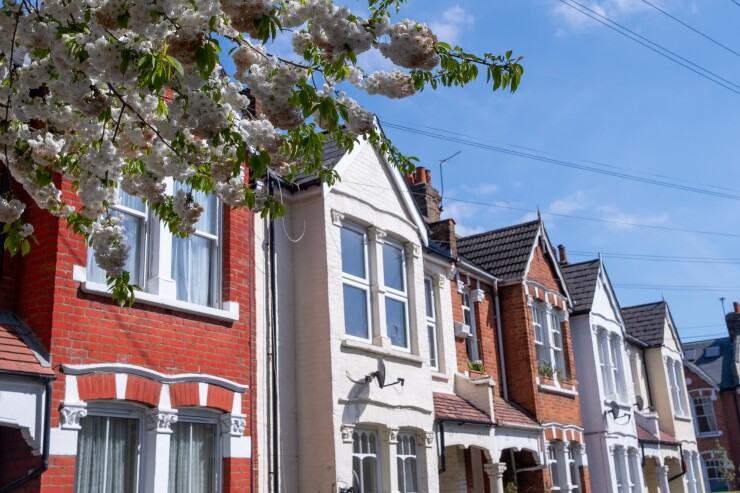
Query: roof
point(503, 252)
point(19, 351)
point(507, 413)
point(718, 368)
point(645, 436)
point(581, 279)
point(331, 154)
point(646, 322)
point(450, 406)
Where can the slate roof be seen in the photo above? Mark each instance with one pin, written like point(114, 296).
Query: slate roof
point(330, 156)
point(645, 436)
point(719, 368)
point(19, 351)
point(506, 413)
point(646, 322)
point(581, 281)
point(503, 252)
point(450, 406)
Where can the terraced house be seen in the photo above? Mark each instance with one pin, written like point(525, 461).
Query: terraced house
point(154, 397)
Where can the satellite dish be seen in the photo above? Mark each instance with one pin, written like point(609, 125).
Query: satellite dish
point(380, 373)
point(614, 409)
point(640, 403)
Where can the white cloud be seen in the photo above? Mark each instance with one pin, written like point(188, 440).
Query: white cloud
point(568, 205)
point(611, 213)
point(466, 217)
point(481, 189)
point(452, 23)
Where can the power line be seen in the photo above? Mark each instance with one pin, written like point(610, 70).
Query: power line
point(676, 287)
point(735, 2)
point(636, 40)
point(563, 163)
point(533, 149)
point(695, 30)
point(656, 258)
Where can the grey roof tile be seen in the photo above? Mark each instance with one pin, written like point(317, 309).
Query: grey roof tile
point(646, 322)
point(581, 281)
point(719, 368)
point(503, 252)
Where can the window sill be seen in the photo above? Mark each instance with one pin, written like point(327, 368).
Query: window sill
point(709, 434)
point(229, 313)
point(440, 377)
point(388, 353)
point(553, 389)
point(678, 417)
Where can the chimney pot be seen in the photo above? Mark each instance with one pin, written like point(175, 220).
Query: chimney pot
point(428, 176)
point(420, 175)
point(563, 255)
point(736, 305)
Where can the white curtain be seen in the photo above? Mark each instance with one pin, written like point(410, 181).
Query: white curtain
point(107, 455)
point(192, 458)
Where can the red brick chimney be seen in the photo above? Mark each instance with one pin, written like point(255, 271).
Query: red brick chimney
point(563, 255)
point(427, 197)
point(733, 323)
point(444, 232)
point(736, 306)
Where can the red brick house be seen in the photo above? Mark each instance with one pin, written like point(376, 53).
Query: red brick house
point(537, 348)
point(154, 397)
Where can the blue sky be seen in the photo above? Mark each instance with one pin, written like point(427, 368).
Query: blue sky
point(588, 96)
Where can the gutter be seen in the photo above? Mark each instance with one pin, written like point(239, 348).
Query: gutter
point(441, 434)
point(38, 471)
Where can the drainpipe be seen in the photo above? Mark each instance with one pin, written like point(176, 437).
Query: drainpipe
point(647, 379)
point(273, 359)
point(459, 422)
point(500, 342)
point(35, 473)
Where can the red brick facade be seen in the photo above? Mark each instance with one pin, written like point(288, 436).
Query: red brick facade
point(81, 329)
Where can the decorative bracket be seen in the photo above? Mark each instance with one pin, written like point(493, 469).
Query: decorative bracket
point(347, 432)
point(233, 425)
point(161, 421)
point(337, 218)
point(478, 295)
point(70, 415)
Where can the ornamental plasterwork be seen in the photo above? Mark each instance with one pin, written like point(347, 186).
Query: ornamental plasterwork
point(452, 273)
point(377, 234)
point(495, 469)
point(441, 281)
point(478, 295)
point(70, 415)
point(392, 435)
point(233, 425)
point(413, 250)
point(161, 421)
point(460, 287)
point(347, 431)
point(428, 439)
point(337, 218)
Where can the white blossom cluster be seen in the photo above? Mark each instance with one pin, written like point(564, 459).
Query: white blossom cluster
point(80, 105)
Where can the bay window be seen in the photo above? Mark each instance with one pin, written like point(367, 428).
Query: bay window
point(543, 356)
point(108, 454)
point(429, 299)
point(356, 282)
point(554, 467)
point(611, 366)
point(365, 462)
point(407, 464)
point(193, 453)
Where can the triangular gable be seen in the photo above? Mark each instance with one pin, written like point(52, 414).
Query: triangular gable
point(542, 233)
point(611, 295)
point(397, 180)
point(672, 326)
point(701, 374)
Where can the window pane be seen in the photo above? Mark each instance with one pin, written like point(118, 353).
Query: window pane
point(431, 329)
point(353, 253)
point(393, 267)
point(131, 201)
point(134, 229)
point(192, 457)
point(207, 221)
point(429, 297)
point(193, 268)
point(107, 455)
point(395, 322)
point(355, 312)
point(369, 475)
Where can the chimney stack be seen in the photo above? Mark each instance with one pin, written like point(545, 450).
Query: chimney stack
point(563, 255)
point(427, 198)
point(733, 322)
point(444, 232)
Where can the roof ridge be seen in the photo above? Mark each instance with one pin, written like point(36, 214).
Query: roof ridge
point(655, 303)
point(579, 263)
point(536, 221)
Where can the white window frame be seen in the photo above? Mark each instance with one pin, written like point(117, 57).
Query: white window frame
point(539, 334)
point(430, 301)
point(396, 295)
point(210, 418)
point(678, 393)
point(550, 322)
point(128, 411)
point(703, 401)
point(472, 348)
point(602, 341)
point(358, 282)
point(574, 476)
point(155, 276)
point(378, 457)
point(404, 457)
point(553, 464)
point(633, 474)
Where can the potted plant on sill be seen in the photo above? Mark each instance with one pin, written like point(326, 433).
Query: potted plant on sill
point(476, 369)
point(547, 373)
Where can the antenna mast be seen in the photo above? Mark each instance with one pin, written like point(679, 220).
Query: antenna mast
point(442, 179)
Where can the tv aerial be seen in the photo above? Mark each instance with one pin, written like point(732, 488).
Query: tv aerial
point(442, 162)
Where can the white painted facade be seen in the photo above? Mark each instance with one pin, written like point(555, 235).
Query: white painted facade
point(602, 366)
point(22, 404)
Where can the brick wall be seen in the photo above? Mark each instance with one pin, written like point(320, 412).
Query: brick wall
point(81, 328)
point(16, 459)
